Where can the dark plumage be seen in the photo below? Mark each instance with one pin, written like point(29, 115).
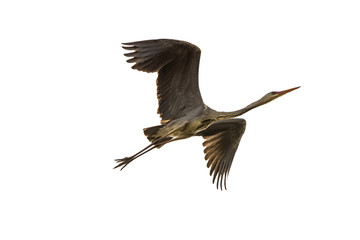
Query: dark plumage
point(177, 64)
point(181, 107)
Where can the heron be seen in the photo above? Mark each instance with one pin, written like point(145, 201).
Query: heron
point(182, 110)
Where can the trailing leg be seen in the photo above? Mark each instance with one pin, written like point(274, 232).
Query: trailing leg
point(155, 144)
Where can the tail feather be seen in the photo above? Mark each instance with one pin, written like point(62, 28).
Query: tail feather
point(150, 132)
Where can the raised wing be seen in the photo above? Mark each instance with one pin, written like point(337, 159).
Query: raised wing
point(177, 64)
point(221, 142)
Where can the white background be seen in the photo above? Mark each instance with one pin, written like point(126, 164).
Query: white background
point(70, 104)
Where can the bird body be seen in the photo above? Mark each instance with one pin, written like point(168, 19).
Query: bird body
point(181, 108)
point(185, 127)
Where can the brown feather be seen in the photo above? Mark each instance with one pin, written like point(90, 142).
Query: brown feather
point(177, 64)
point(221, 142)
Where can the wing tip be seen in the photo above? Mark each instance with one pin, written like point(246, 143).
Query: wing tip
point(129, 48)
point(128, 43)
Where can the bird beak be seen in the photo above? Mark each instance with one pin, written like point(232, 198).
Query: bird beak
point(286, 91)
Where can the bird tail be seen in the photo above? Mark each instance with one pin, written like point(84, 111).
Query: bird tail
point(150, 132)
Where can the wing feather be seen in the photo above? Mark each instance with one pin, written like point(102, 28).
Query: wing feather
point(221, 142)
point(177, 64)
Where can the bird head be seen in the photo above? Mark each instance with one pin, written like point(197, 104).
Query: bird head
point(273, 95)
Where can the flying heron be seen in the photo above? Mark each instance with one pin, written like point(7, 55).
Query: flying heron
point(181, 108)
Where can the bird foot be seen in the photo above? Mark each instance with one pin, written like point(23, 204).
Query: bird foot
point(123, 162)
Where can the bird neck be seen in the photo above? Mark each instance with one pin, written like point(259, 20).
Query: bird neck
point(227, 115)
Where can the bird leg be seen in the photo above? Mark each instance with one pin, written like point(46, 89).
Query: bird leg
point(125, 161)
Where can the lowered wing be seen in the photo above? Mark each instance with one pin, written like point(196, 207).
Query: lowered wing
point(221, 142)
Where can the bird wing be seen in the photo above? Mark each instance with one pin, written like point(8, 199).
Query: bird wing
point(221, 142)
point(177, 64)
